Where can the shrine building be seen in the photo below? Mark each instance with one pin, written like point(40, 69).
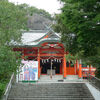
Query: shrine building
point(45, 47)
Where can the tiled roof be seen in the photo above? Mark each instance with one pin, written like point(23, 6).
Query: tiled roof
point(35, 37)
point(31, 37)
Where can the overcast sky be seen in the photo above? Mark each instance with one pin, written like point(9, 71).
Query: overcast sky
point(52, 6)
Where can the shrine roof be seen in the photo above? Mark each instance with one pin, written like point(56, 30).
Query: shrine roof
point(37, 37)
point(28, 37)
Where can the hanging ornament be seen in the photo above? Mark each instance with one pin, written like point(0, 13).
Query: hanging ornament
point(47, 60)
point(44, 61)
point(87, 66)
point(59, 60)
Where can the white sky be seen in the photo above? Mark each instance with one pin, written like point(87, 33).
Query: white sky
point(52, 6)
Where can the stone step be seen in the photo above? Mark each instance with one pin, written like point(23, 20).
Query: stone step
point(50, 98)
point(46, 78)
point(67, 96)
point(51, 85)
point(50, 91)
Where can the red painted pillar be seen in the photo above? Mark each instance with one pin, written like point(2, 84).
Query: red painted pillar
point(64, 66)
point(90, 69)
point(76, 66)
point(38, 59)
point(80, 70)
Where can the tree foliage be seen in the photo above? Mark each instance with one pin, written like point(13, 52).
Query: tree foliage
point(12, 20)
point(79, 23)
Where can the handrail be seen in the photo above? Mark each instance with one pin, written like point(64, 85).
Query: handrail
point(94, 81)
point(5, 96)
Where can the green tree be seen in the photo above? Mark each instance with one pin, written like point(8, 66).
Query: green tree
point(12, 21)
point(79, 23)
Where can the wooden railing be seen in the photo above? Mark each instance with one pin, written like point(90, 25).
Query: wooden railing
point(94, 81)
point(5, 96)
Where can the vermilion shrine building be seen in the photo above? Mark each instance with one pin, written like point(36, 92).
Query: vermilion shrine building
point(45, 47)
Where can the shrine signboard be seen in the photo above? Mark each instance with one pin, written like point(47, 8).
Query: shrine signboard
point(28, 71)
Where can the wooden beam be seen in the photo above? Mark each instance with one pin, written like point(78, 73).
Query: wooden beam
point(52, 49)
point(58, 55)
point(30, 55)
point(44, 44)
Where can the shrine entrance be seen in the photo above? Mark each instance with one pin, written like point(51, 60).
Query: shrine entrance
point(51, 56)
point(54, 65)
